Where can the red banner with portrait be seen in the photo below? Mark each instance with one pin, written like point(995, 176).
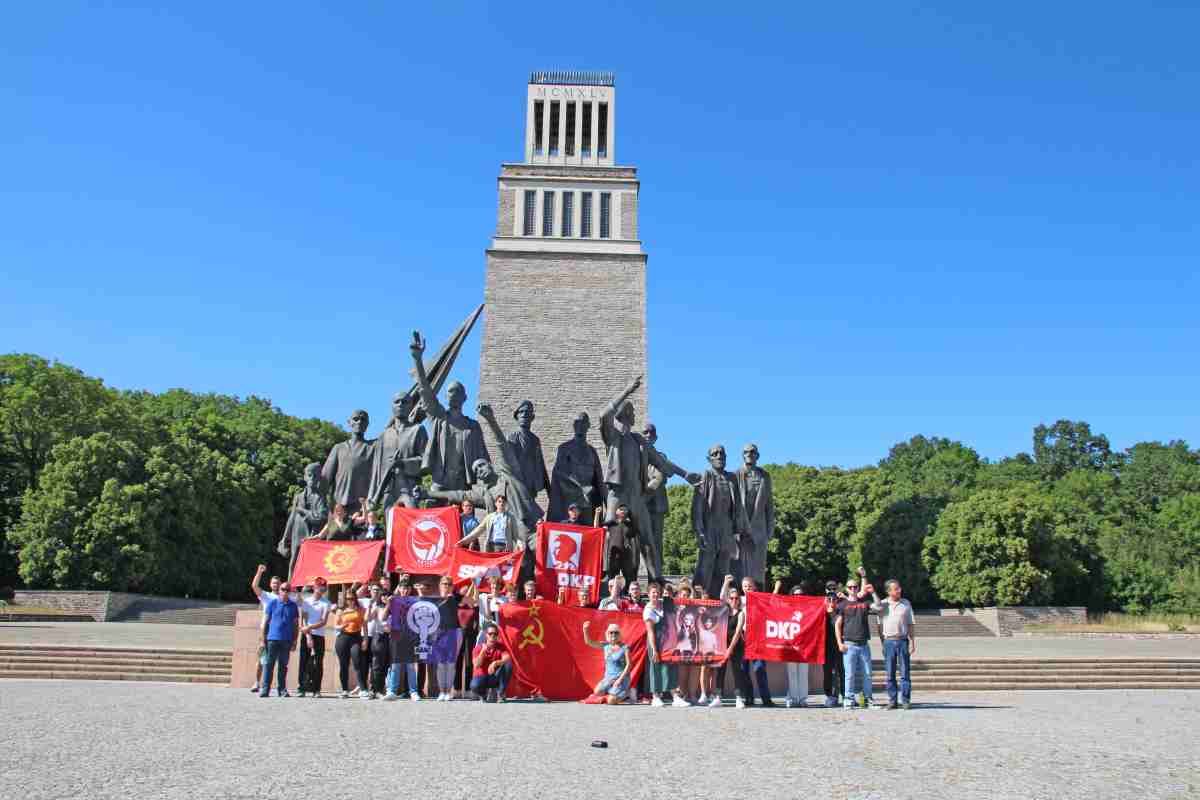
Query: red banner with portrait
point(336, 562)
point(785, 627)
point(568, 556)
point(549, 654)
point(422, 541)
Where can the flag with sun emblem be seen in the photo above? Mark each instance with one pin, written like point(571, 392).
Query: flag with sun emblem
point(336, 562)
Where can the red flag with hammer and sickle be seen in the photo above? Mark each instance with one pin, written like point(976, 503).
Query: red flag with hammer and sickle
point(550, 655)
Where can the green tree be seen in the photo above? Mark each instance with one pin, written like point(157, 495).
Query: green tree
point(1068, 445)
point(42, 404)
point(997, 546)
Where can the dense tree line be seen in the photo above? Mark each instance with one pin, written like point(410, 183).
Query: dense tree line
point(1072, 524)
point(174, 493)
point(179, 493)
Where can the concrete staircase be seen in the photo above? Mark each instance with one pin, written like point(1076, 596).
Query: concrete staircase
point(114, 664)
point(988, 674)
point(174, 612)
point(938, 626)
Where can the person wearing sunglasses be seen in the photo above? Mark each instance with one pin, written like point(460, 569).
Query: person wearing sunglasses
point(614, 686)
point(280, 624)
point(493, 666)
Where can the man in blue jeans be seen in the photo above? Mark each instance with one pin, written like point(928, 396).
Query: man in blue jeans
point(281, 617)
point(899, 643)
point(852, 627)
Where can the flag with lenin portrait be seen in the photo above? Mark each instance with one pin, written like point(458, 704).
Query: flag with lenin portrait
point(568, 556)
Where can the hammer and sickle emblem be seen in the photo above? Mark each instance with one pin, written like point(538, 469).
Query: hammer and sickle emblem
point(532, 635)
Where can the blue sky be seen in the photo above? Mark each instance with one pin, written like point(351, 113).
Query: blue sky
point(863, 222)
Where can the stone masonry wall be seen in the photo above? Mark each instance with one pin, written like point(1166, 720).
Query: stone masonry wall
point(506, 210)
point(92, 603)
point(1007, 620)
point(629, 202)
point(567, 331)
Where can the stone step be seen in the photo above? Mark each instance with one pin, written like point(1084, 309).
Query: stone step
point(148, 656)
point(85, 650)
point(161, 677)
point(114, 663)
point(131, 668)
point(96, 658)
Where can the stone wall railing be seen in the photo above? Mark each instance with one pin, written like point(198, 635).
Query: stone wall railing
point(104, 606)
point(1007, 620)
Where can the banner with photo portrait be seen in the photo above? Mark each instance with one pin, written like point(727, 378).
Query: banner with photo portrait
point(697, 632)
point(568, 556)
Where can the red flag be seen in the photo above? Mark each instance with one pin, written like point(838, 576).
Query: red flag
point(549, 654)
point(466, 564)
point(336, 562)
point(422, 540)
point(785, 627)
point(569, 556)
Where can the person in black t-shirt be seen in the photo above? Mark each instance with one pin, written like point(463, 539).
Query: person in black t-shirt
point(834, 674)
point(852, 626)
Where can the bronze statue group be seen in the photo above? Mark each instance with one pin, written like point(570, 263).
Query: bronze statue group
point(623, 490)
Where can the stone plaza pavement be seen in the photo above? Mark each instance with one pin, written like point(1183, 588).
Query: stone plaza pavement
point(116, 740)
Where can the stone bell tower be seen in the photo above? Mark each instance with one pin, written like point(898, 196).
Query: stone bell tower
point(565, 296)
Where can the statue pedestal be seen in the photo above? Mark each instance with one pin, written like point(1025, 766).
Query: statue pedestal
point(246, 640)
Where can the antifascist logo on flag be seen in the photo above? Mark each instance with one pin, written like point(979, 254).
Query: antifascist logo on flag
point(785, 628)
point(568, 557)
point(421, 540)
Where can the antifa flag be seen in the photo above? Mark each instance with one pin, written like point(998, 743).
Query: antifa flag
point(336, 562)
point(467, 564)
point(422, 540)
point(568, 556)
point(549, 654)
point(696, 632)
point(785, 628)
point(416, 625)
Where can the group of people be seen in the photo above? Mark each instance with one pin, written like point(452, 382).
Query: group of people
point(470, 661)
point(480, 467)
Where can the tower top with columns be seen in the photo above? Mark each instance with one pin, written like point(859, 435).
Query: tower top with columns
point(570, 118)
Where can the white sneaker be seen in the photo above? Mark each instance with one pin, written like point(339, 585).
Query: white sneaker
point(343, 694)
point(657, 702)
point(739, 703)
point(363, 694)
point(390, 696)
point(679, 702)
point(787, 703)
point(414, 696)
point(715, 702)
point(848, 704)
point(703, 699)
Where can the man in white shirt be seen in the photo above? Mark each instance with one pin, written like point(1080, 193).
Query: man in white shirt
point(899, 642)
point(314, 613)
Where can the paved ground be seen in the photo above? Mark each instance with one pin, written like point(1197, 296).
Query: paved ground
point(114, 740)
point(204, 637)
